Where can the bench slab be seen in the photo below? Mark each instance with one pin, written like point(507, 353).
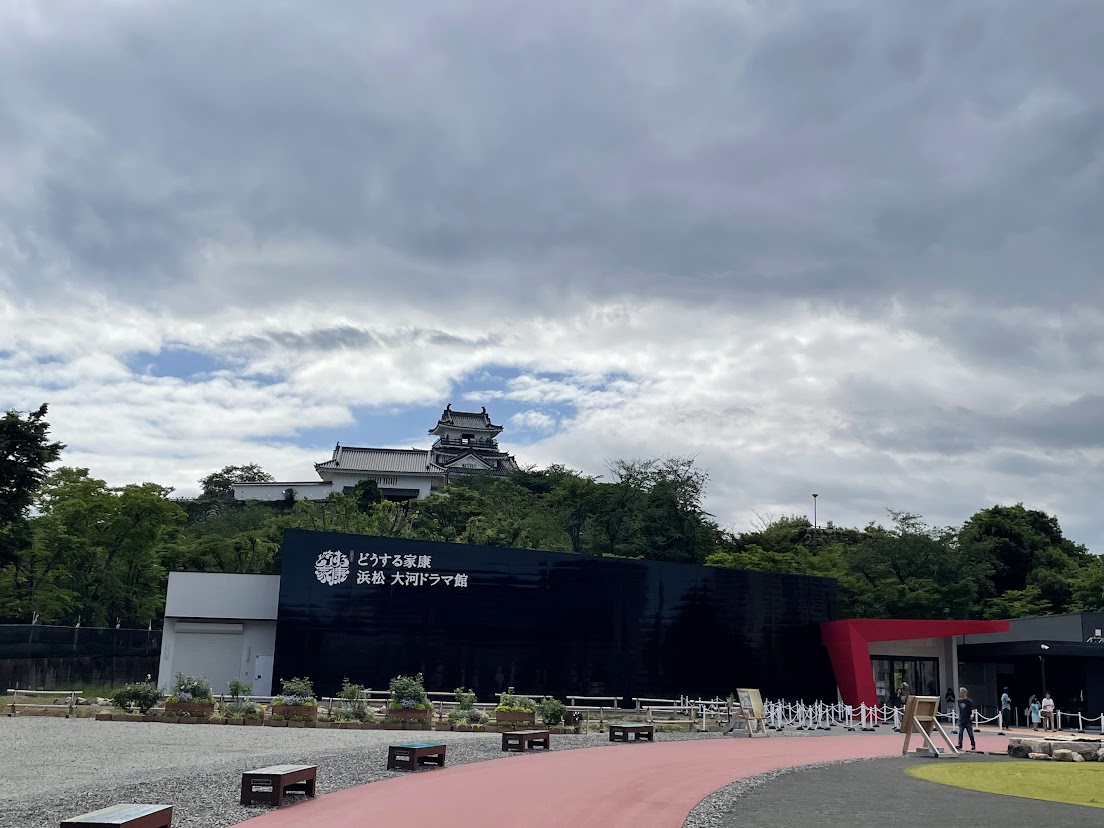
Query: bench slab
point(282, 779)
point(125, 815)
point(622, 732)
point(521, 740)
point(409, 755)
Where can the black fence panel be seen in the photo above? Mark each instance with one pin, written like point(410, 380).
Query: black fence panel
point(40, 641)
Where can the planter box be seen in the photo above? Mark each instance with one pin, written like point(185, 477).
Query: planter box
point(192, 708)
point(369, 726)
point(417, 726)
point(296, 724)
point(235, 721)
point(515, 717)
point(275, 723)
point(252, 722)
point(216, 721)
point(392, 726)
point(309, 711)
point(103, 717)
point(169, 719)
point(401, 713)
point(323, 725)
point(150, 717)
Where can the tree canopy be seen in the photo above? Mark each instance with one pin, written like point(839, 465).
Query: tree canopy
point(25, 453)
point(101, 553)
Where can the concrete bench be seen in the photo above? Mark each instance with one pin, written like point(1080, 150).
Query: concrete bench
point(126, 815)
point(623, 732)
point(409, 755)
point(522, 740)
point(281, 779)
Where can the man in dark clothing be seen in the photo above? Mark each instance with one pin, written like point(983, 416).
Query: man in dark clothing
point(965, 717)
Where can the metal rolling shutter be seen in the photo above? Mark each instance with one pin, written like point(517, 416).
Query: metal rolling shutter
point(213, 651)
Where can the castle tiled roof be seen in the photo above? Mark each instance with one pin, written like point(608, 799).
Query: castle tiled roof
point(465, 419)
point(394, 461)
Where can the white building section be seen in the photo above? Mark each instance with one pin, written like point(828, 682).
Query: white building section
point(220, 626)
point(466, 444)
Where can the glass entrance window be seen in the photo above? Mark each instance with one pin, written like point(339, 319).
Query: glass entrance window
point(890, 672)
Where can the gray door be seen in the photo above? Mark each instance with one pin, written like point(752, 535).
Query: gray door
point(217, 656)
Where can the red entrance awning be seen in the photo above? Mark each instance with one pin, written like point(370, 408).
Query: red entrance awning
point(847, 642)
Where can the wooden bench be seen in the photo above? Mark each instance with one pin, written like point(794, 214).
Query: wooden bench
point(127, 815)
point(282, 779)
point(622, 732)
point(409, 755)
point(522, 740)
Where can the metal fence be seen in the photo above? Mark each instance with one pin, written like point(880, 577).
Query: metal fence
point(40, 641)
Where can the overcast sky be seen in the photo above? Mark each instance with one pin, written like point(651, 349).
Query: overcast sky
point(852, 248)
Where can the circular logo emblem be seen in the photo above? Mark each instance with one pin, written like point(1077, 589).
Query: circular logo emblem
point(332, 567)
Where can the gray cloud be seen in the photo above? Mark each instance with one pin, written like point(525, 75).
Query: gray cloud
point(854, 242)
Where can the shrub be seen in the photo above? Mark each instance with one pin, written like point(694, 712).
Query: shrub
point(297, 691)
point(512, 703)
point(408, 692)
point(465, 699)
point(353, 704)
point(191, 688)
point(552, 711)
point(142, 695)
point(238, 688)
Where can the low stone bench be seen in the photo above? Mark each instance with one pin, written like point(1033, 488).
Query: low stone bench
point(522, 740)
point(127, 815)
point(282, 779)
point(409, 755)
point(623, 732)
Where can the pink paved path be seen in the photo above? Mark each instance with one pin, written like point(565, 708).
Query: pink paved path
point(623, 786)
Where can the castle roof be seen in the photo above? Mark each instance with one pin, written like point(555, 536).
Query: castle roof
point(476, 420)
point(394, 461)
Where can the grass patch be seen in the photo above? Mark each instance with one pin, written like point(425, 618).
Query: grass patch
point(1073, 783)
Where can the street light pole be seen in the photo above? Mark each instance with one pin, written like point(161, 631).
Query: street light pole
point(814, 511)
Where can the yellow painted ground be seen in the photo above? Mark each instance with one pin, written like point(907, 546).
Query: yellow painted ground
point(1080, 783)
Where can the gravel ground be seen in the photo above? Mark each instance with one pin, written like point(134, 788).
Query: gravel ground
point(56, 768)
point(873, 793)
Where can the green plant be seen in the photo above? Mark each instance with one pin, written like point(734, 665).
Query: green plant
point(142, 695)
point(509, 702)
point(191, 688)
point(408, 692)
point(552, 711)
point(465, 699)
point(297, 691)
point(353, 704)
point(238, 688)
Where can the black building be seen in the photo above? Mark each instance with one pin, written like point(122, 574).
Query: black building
point(488, 618)
point(1060, 654)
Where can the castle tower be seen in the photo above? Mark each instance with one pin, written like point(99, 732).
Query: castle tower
point(467, 442)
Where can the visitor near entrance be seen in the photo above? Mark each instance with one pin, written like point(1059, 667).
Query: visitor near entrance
point(1048, 712)
point(1033, 712)
point(965, 717)
point(1005, 709)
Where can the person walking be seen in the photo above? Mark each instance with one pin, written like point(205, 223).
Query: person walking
point(965, 717)
point(1006, 709)
point(1033, 712)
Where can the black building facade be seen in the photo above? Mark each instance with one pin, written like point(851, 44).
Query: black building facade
point(488, 618)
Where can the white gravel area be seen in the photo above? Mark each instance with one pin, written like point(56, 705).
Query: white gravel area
point(57, 768)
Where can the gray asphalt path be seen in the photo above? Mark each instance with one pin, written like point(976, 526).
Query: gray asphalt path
point(877, 793)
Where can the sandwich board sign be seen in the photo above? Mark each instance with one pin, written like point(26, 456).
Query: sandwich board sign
point(750, 711)
point(920, 717)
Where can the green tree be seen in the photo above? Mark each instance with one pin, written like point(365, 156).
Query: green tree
point(25, 453)
point(220, 484)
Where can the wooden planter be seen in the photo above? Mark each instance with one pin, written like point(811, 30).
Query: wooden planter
point(399, 714)
point(297, 724)
point(252, 722)
point(324, 725)
point(235, 721)
point(275, 723)
point(515, 717)
point(287, 710)
point(204, 709)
